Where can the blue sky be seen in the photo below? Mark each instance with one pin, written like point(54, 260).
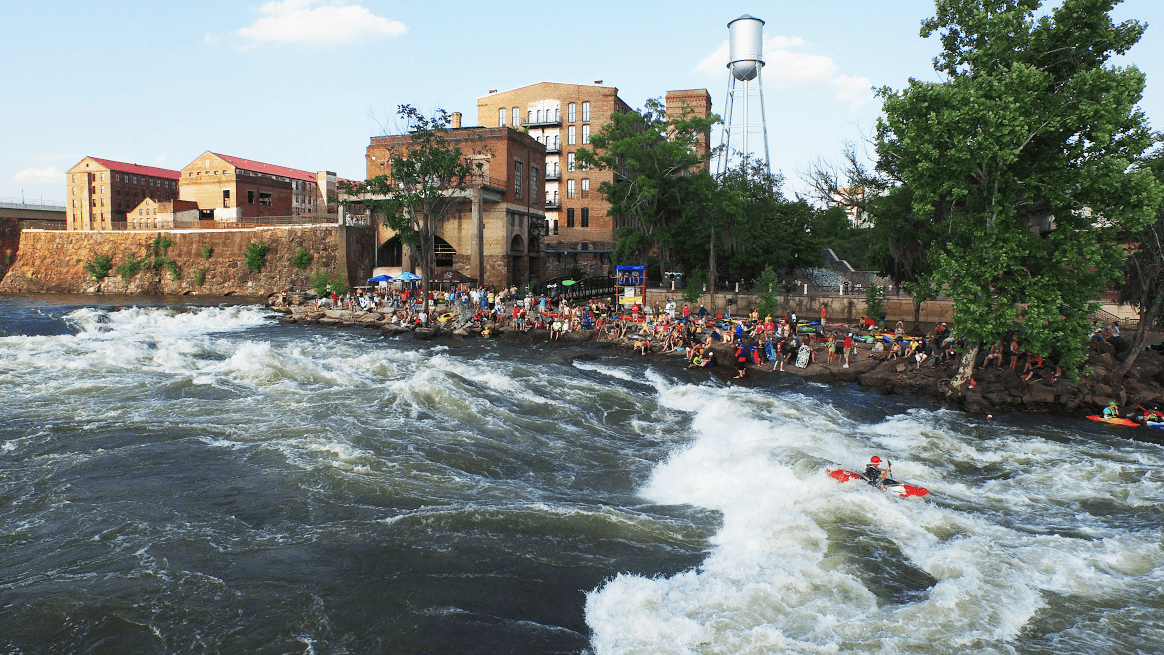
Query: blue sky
point(294, 82)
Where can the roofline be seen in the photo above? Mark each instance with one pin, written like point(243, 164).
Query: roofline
point(593, 86)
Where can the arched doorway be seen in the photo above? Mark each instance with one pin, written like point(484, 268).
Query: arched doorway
point(391, 253)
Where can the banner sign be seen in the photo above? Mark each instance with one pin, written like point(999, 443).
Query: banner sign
point(632, 284)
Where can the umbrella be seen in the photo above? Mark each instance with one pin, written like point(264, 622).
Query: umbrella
point(380, 278)
point(408, 276)
point(567, 283)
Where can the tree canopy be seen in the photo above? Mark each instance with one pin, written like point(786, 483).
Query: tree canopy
point(1019, 162)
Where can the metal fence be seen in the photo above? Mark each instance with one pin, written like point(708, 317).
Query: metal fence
point(242, 224)
point(18, 203)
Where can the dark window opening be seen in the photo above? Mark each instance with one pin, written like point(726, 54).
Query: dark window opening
point(442, 252)
point(226, 198)
point(585, 217)
point(264, 199)
point(570, 217)
point(250, 197)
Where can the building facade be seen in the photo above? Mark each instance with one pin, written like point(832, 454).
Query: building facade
point(562, 117)
point(228, 188)
point(496, 232)
point(101, 192)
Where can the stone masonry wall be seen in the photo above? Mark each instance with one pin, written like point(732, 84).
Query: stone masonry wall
point(53, 262)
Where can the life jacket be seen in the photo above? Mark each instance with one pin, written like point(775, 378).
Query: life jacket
point(742, 354)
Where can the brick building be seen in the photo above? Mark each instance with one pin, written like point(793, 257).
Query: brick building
point(101, 192)
point(496, 233)
point(228, 188)
point(562, 117)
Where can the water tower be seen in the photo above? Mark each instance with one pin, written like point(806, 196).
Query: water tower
point(745, 96)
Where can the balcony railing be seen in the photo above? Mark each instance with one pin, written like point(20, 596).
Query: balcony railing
point(553, 176)
point(547, 122)
point(553, 149)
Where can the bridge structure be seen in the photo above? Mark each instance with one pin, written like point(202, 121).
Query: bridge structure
point(32, 210)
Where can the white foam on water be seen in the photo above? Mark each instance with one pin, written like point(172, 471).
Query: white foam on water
point(777, 581)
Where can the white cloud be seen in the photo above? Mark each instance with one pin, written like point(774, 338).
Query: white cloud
point(855, 90)
point(46, 175)
point(159, 160)
point(786, 67)
point(312, 22)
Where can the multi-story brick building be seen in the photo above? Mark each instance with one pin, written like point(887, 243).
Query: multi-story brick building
point(230, 188)
point(101, 192)
point(496, 232)
point(562, 118)
point(153, 214)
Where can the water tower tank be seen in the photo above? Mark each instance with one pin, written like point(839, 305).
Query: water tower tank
point(747, 46)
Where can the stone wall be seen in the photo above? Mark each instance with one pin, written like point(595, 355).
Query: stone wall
point(841, 308)
point(9, 242)
point(53, 261)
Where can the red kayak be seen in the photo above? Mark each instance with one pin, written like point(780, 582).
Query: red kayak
point(1114, 421)
point(903, 490)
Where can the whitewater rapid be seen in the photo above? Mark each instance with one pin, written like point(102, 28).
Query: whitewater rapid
point(177, 477)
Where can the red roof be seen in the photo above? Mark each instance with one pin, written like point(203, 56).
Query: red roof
point(135, 168)
point(270, 169)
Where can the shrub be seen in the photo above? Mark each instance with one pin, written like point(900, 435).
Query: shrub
point(99, 266)
point(694, 287)
point(301, 259)
point(131, 267)
point(207, 251)
point(171, 266)
point(255, 257)
point(875, 302)
point(322, 278)
point(200, 277)
point(767, 297)
point(159, 247)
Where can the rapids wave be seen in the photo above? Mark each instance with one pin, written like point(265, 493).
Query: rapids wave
point(201, 478)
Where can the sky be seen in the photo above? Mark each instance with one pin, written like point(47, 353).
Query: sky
point(305, 83)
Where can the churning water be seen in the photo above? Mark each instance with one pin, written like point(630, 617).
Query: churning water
point(178, 478)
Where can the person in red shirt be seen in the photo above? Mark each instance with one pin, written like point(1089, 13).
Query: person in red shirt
point(848, 347)
point(686, 313)
point(824, 313)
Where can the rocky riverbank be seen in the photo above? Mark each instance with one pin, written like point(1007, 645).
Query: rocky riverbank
point(997, 390)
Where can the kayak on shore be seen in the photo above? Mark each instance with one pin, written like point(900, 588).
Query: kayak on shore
point(901, 489)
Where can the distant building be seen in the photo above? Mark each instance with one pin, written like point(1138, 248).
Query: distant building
point(165, 214)
point(562, 117)
point(496, 234)
point(228, 188)
point(101, 192)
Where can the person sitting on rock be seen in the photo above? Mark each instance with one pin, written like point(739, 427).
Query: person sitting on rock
point(1034, 365)
point(995, 355)
point(895, 351)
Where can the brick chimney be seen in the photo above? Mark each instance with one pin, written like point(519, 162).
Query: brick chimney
point(455, 117)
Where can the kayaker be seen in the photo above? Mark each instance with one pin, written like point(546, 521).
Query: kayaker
point(1112, 410)
point(877, 471)
point(1152, 415)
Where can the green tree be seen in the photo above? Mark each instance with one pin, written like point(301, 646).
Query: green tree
point(1030, 123)
point(1143, 284)
point(661, 179)
point(98, 266)
point(767, 293)
point(429, 175)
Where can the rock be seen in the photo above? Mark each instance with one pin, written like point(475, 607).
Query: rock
point(901, 368)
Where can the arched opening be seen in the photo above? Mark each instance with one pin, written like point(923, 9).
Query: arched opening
point(517, 245)
point(391, 253)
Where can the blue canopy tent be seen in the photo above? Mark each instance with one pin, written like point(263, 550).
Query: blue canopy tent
point(408, 276)
point(380, 278)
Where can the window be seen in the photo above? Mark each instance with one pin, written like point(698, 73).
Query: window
point(585, 217)
point(570, 163)
point(571, 112)
point(585, 166)
point(557, 114)
point(139, 212)
point(555, 141)
point(517, 180)
point(529, 115)
point(74, 202)
point(226, 198)
point(102, 188)
point(570, 191)
point(516, 117)
point(264, 199)
point(501, 117)
point(585, 187)
point(585, 112)
point(119, 204)
point(570, 136)
point(555, 226)
point(250, 197)
point(539, 115)
point(103, 177)
point(585, 134)
point(74, 178)
point(117, 177)
point(135, 179)
point(533, 183)
point(570, 217)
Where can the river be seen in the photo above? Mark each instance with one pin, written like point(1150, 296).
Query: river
point(184, 478)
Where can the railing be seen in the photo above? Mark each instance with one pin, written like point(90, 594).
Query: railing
point(553, 204)
point(554, 176)
point(20, 203)
point(1109, 318)
point(554, 149)
point(42, 225)
point(590, 287)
